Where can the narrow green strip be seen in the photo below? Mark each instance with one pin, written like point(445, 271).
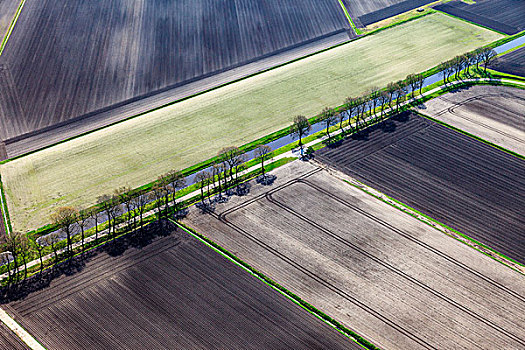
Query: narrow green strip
point(290, 295)
point(11, 26)
point(354, 27)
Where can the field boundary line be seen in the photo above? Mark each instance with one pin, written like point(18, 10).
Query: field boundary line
point(11, 26)
point(27, 338)
point(4, 209)
point(352, 24)
point(461, 237)
point(473, 23)
point(276, 286)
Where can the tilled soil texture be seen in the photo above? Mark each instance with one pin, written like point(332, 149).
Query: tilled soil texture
point(453, 178)
point(71, 59)
point(390, 277)
point(9, 340)
point(365, 12)
point(511, 63)
point(174, 293)
point(507, 16)
point(493, 113)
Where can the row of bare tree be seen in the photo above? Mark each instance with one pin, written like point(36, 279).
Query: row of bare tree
point(484, 56)
point(359, 107)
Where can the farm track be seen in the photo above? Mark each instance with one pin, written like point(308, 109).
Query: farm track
point(303, 179)
point(410, 287)
point(173, 293)
point(358, 303)
point(454, 198)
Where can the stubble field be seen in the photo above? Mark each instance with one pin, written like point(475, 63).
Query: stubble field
point(68, 59)
point(174, 293)
point(136, 151)
point(494, 113)
point(388, 276)
point(453, 178)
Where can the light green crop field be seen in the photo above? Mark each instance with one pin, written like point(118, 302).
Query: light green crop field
point(137, 151)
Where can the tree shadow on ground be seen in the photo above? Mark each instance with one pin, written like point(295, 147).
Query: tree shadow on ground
point(138, 240)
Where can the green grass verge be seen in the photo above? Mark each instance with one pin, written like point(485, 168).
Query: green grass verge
point(290, 295)
point(11, 26)
point(417, 212)
point(352, 24)
point(136, 151)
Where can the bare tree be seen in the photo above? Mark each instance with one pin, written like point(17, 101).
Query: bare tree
point(328, 118)
point(139, 202)
point(263, 153)
point(401, 90)
point(123, 194)
point(218, 170)
point(420, 82)
point(373, 96)
point(65, 218)
point(95, 214)
point(106, 203)
point(300, 128)
point(383, 100)
point(411, 81)
point(391, 89)
point(40, 250)
point(157, 195)
point(488, 56)
point(177, 182)
point(232, 157)
point(13, 243)
point(201, 180)
point(24, 251)
point(350, 106)
point(83, 218)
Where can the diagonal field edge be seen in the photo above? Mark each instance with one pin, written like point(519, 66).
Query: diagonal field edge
point(27, 338)
point(276, 286)
point(11, 26)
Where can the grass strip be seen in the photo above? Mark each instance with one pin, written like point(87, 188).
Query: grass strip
point(354, 27)
point(417, 214)
point(290, 295)
point(11, 26)
point(473, 23)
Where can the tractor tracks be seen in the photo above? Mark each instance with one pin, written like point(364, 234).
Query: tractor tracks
point(304, 180)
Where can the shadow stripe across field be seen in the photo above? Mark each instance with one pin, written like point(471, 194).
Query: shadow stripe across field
point(461, 182)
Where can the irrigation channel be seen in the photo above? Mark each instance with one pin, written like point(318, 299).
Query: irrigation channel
point(288, 139)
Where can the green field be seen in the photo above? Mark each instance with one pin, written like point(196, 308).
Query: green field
point(135, 152)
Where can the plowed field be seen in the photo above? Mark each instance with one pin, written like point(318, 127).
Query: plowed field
point(455, 179)
point(175, 293)
point(395, 280)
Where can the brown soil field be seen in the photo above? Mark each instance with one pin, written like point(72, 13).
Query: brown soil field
point(172, 293)
point(72, 59)
point(9, 340)
point(494, 113)
point(383, 273)
point(455, 179)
